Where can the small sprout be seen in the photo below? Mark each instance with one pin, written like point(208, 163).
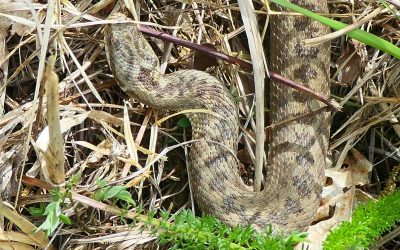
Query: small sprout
point(114, 192)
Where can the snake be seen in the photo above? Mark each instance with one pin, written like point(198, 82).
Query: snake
point(297, 149)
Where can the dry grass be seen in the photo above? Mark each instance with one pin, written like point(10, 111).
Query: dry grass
point(98, 142)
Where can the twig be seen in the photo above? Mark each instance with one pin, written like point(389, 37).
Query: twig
point(246, 65)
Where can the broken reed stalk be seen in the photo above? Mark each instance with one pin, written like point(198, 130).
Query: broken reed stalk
point(54, 155)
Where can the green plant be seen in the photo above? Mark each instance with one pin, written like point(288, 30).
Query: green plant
point(53, 210)
point(369, 221)
point(53, 213)
point(112, 192)
point(206, 232)
point(38, 211)
point(185, 232)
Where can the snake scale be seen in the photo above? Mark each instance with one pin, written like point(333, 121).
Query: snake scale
point(297, 150)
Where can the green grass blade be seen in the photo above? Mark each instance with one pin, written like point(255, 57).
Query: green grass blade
point(357, 34)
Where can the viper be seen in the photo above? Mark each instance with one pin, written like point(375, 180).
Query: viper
point(297, 150)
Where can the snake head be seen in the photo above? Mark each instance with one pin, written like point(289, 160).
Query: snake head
point(129, 55)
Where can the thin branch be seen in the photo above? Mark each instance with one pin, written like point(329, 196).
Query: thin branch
point(246, 65)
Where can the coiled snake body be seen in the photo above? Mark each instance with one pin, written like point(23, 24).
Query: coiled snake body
point(297, 150)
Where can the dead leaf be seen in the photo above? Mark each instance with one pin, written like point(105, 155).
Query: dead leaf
point(349, 64)
point(339, 197)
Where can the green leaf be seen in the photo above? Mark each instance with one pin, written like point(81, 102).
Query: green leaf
point(56, 194)
point(117, 192)
point(125, 196)
point(53, 209)
point(297, 237)
point(357, 34)
point(98, 195)
point(37, 211)
point(107, 192)
point(183, 122)
point(52, 212)
point(111, 192)
point(101, 183)
point(75, 178)
point(65, 219)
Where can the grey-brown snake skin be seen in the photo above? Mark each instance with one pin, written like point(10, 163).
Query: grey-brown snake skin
point(297, 150)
